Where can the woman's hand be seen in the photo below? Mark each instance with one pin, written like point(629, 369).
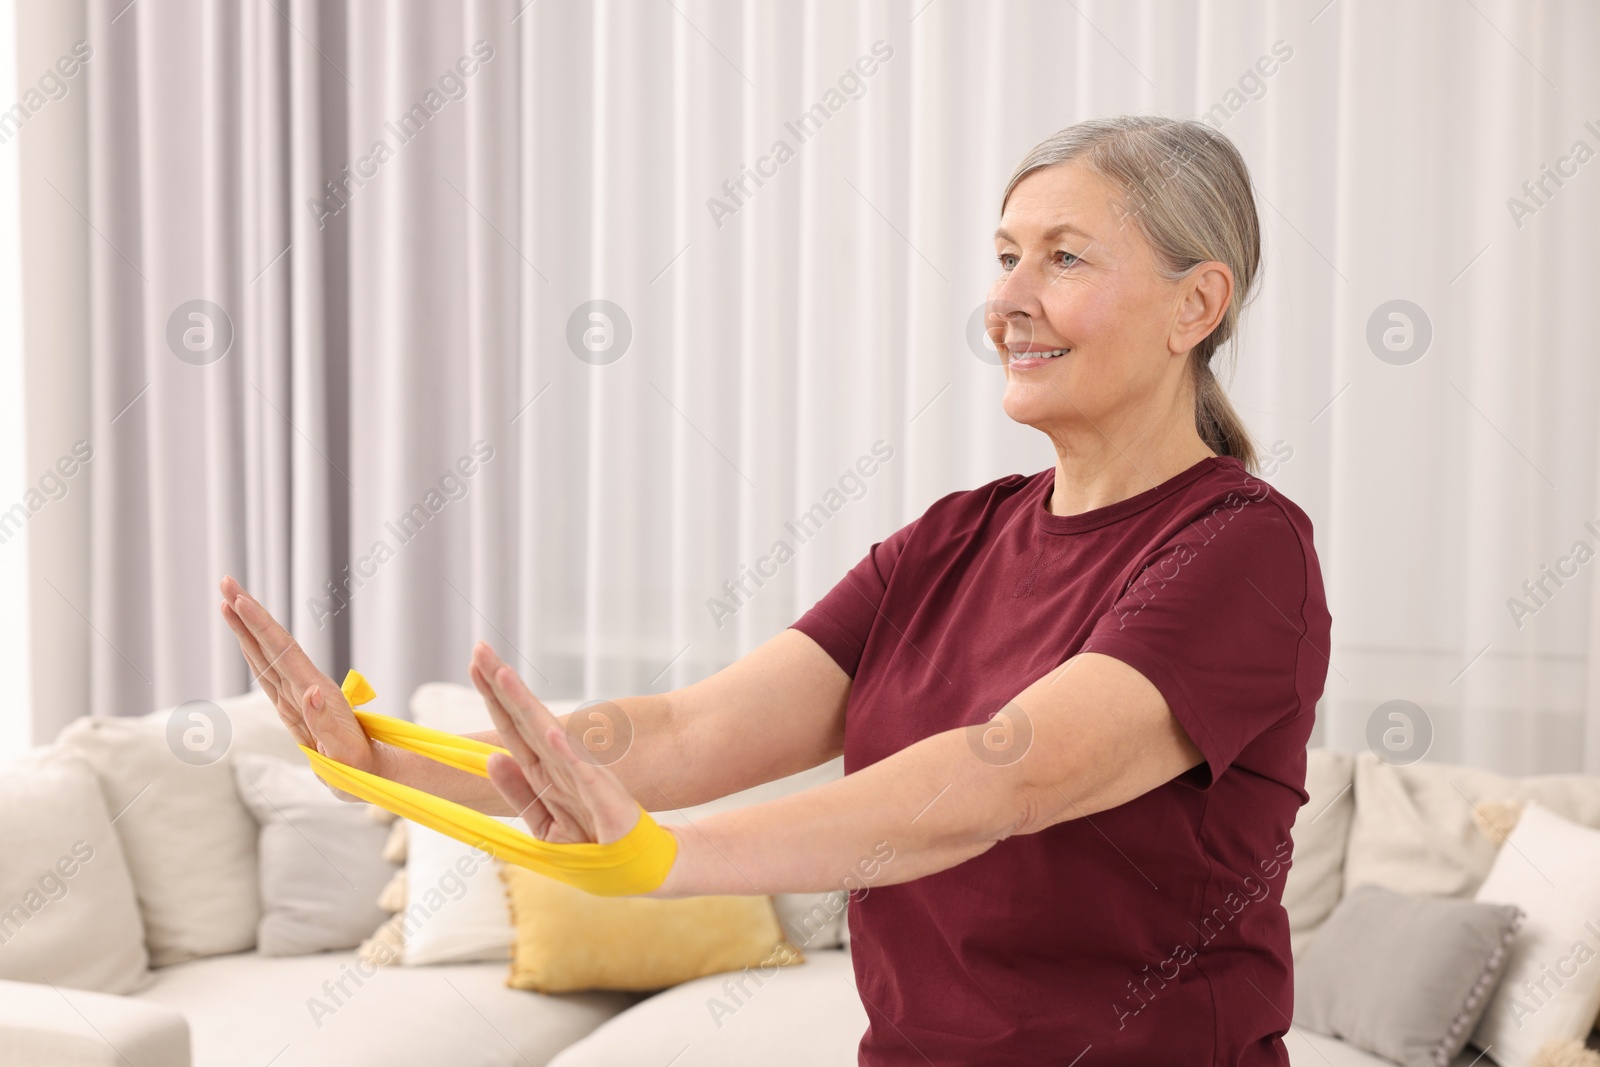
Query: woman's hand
point(560, 795)
point(310, 703)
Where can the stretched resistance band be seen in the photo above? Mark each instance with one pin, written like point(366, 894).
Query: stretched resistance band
point(635, 863)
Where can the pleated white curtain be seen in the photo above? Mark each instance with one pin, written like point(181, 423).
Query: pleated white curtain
point(15, 658)
point(407, 211)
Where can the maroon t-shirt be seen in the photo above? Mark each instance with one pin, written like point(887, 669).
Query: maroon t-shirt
point(1152, 933)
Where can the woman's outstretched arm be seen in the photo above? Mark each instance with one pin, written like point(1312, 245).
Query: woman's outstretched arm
point(1101, 737)
point(776, 711)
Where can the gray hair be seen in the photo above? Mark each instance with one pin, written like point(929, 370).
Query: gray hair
point(1188, 191)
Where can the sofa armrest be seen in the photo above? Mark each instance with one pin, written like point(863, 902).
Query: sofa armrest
point(42, 1024)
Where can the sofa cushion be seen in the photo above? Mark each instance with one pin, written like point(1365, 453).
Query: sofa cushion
point(1414, 830)
point(1320, 833)
point(189, 841)
point(331, 1010)
point(321, 859)
point(68, 914)
point(804, 1016)
point(44, 1025)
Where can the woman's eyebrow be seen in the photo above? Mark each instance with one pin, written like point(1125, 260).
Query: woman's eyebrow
point(1002, 234)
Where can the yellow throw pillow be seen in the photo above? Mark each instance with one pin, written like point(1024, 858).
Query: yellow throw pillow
point(568, 940)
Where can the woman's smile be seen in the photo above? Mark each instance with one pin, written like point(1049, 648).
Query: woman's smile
point(1029, 356)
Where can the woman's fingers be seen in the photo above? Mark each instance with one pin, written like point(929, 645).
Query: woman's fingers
point(510, 694)
point(510, 738)
point(230, 588)
point(308, 701)
point(294, 669)
point(264, 659)
point(247, 645)
point(613, 810)
point(507, 776)
point(259, 662)
point(557, 803)
point(535, 718)
point(287, 711)
point(591, 795)
point(531, 720)
point(247, 641)
point(264, 662)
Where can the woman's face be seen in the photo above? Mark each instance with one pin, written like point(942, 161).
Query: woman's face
point(1075, 275)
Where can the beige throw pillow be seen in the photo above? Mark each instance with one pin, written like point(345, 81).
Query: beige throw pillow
point(190, 843)
point(1321, 830)
point(1416, 828)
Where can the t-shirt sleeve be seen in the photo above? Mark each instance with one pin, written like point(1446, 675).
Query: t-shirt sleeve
point(842, 619)
point(1216, 621)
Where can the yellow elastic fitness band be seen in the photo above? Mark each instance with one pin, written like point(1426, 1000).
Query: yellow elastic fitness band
point(637, 862)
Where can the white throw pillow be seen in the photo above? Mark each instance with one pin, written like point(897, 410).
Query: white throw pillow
point(456, 909)
point(68, 914)
point(1550, 868)
point(189, 841)
point(460, 710)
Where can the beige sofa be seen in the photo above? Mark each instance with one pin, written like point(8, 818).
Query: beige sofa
point(211, 1001)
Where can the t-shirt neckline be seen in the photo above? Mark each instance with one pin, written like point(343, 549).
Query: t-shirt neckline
point(1102, 516)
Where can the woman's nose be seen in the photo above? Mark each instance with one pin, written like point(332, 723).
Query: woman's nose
point(1016, 291)
point(1012, 305)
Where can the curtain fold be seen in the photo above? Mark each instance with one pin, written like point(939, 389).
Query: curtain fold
point(577, 327)
point(52, 182)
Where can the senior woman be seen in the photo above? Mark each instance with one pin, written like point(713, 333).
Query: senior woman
point(1073, 705)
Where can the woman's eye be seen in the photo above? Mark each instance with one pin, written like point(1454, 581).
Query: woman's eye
point(1063, 259)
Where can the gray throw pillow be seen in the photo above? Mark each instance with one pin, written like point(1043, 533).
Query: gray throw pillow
point(321, 860)
point(1401, 976)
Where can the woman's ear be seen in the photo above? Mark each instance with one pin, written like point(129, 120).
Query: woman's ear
point(1205, 293)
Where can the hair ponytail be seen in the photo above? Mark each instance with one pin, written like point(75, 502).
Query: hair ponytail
point(1216, 420)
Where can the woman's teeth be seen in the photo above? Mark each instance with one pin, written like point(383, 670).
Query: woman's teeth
point(1052, 354)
